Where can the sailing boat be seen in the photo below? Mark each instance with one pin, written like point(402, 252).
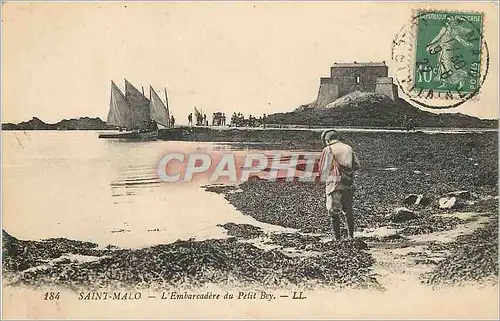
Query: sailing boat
point(134, 115)
point(158, 110)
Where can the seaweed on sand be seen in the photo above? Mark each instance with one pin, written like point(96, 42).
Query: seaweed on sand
point(473, 257)
point(245, 231)
point(192, 264)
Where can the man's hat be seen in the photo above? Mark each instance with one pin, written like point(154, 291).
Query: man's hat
point(327, 133)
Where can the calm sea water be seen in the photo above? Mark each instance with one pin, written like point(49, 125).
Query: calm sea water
point(75, 185)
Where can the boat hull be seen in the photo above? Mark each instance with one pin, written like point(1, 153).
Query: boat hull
point(153, 135)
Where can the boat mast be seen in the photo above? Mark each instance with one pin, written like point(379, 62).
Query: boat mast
point(166, 98)
point(168, 108)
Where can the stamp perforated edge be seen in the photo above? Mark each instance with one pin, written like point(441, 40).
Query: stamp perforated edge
point(411, 57)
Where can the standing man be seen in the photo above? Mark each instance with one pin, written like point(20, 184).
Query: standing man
point(190, 119)
point(172, 121)
point(337, 166)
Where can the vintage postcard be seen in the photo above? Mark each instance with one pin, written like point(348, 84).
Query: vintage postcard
point(249, 160)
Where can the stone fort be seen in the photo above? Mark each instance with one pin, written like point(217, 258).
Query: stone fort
point(357, 76)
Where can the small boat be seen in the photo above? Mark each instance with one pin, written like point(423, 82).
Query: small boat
point(135, 116)
point(134, 135)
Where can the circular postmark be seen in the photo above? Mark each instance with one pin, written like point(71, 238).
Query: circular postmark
point(441, 58)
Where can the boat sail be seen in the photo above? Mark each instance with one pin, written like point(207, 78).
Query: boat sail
point(119, 109)
point(158, 110)
point(139, 107)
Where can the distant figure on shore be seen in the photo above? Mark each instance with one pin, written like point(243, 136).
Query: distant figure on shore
point(172, 121)
point(190, 119)
point(241, 120)
point(199, 119)
point(223, 119)
point(405, 122)
point(205, 121)
point(408, 124)
point(264, 120)
point(337, 166)
point(153, 125)
point(411, 124)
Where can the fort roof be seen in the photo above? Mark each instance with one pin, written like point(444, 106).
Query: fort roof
point(360, 64)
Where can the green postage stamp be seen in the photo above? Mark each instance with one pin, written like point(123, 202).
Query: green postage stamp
point(448, 52)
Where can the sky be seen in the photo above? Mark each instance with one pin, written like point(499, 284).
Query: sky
point(255, 57)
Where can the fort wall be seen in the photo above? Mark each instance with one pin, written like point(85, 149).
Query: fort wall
point(349, 77)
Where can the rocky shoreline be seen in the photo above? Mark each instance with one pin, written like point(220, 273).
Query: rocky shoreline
point(397, 169)
point(82, 123)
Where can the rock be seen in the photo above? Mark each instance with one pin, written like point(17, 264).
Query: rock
point(414, 199)
point(411, 199)
point(423, 201)
point(450, 203)
point(359, 244)
point(402, 214)
point(454, 200)
point(82, 123)
point(460, 194)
